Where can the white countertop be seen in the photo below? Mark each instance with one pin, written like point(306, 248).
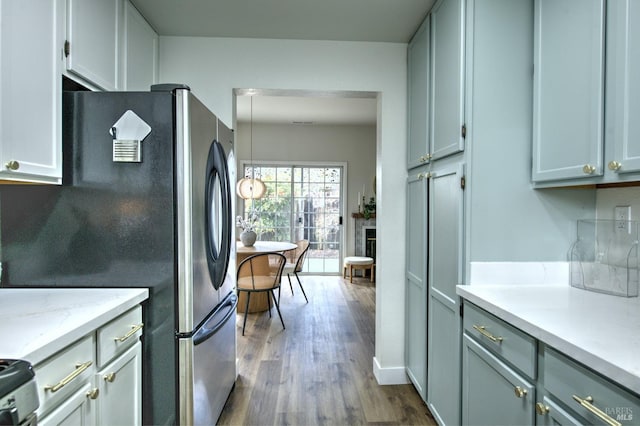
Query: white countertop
point(598, 330)
point(37, 322)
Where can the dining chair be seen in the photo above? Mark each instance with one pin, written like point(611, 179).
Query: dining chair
point(295, 262)
point(261, 273)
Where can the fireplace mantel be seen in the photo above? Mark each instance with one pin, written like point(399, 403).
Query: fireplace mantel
point(361, 215)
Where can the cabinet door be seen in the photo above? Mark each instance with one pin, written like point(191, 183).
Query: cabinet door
point(78, 409)
point(445, 272)
point(492, 393)
point(120, 385)
point(416, 279)
point(447, 78)
point(623, 89)
point(418, 96)
point(549, 413)
point(140, 51)
point(30, 118)
point(568, 89)
point(93, 33)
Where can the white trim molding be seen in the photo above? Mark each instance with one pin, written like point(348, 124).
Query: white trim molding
point(389, 375)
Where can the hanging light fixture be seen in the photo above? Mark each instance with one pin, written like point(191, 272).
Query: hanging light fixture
point(250, 187)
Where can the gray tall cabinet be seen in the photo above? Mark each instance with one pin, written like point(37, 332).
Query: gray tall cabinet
point(478, 60)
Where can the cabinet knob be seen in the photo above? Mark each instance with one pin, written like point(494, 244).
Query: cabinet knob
point(111, 377)
point(541, 408)
point(93, 393)
point(588, 169)
point(12, 165)
point(615, 165)
point(520, 393)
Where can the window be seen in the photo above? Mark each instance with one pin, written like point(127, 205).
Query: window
point(302, 202)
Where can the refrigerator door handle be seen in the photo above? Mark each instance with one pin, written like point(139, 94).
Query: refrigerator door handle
point(207, 330)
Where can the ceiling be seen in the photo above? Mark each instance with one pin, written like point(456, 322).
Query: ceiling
point(306, 108)
point(392, 21)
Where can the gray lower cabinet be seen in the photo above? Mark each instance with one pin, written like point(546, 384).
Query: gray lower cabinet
point(492, 392)
point(509, 378)
point(586, 393)
point(416, 282)
point(446, 262)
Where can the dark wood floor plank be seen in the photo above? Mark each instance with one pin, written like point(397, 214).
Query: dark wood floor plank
point(319, 370)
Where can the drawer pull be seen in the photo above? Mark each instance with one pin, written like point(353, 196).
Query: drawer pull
point(520, 393)
point(80, 368)
point(93, 393)
point(134, 329)
point(541, 409)
point(588, 404)
point(111, 377)
point(483, 330)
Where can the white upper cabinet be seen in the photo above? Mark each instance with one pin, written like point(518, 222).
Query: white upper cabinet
point(140, 51)
point(447, 78)
point(623, 88)
point(568, 111)
point(94, 41)
point(418, 96)
point(31, 40)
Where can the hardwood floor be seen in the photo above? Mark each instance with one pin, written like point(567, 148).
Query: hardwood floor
point(319, 370)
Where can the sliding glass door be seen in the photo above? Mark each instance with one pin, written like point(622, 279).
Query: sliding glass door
point(302, 202)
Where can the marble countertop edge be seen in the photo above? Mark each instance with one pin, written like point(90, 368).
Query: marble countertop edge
point(52, 325)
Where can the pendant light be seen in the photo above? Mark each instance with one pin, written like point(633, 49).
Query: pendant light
point(250, 187)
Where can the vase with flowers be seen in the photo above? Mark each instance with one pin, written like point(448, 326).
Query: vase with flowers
point(248, 235)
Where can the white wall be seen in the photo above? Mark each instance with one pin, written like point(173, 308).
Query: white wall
point(213, 67)
point(353, 145)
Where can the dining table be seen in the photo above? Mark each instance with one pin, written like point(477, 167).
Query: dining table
point(259, 301)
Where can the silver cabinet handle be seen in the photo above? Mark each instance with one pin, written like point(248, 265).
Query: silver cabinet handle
point(588, 169)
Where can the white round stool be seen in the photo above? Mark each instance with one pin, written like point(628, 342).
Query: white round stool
point(358, 262)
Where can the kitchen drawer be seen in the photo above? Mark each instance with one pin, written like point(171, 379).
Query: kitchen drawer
point(65, 372)
point(512, 345)
point(564, 378)
point(118, 335)
point(492, 392)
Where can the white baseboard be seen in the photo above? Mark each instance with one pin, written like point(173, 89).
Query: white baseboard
point(390, 375)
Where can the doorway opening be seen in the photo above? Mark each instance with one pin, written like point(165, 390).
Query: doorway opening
point(297, 140)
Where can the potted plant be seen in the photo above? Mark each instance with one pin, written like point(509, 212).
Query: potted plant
point(248, 235)
point(369, 208)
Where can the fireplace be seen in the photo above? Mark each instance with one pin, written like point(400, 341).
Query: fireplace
point(368, 241)
point(365, 238)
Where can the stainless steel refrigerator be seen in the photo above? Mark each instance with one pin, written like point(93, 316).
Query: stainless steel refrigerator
point(146, 201)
